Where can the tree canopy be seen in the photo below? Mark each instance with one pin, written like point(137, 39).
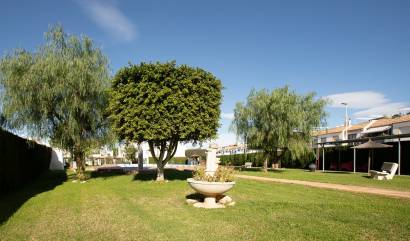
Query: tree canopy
point(164, 104)
point(58, 92)
point(278, 121)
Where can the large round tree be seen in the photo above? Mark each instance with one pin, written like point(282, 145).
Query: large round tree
point(58, 92)
point(164, 104)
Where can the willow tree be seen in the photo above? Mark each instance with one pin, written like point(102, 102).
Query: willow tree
point(278, 122)
point(58, 92)
point(164, 104)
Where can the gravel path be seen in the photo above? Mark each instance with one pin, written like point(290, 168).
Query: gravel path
point(341, 187)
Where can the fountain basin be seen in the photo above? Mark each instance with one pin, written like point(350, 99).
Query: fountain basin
point(210, 188)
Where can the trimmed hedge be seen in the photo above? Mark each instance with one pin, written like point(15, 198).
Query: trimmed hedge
point(240, 159)
point(21, 160)
point(258, 158)
point(174, 160)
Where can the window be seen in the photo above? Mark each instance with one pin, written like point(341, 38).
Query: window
point(336, 138)
point(323, 139)
point(351, 136)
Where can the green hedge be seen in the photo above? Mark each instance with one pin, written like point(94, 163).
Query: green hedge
point(258, 158)
point(174, 160)
point(20, 161)
point(240, 159)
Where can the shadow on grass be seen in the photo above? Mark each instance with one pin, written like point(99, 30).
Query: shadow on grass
point(12, 201)
point(107, 174)
point(250, 169)
point(195, 196)
point(170, 175)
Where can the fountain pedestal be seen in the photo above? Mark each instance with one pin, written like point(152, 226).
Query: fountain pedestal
point(209, 202)
point(210, 189)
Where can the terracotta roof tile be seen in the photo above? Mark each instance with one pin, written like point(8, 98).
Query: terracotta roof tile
point(377, 123)
point(390, 121)
point(341, 128)
point(329, 131)
point(358, 126)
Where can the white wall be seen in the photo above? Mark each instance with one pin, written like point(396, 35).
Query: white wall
point(57, 161)
point(401, 128)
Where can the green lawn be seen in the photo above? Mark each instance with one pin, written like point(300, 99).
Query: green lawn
point(134, 208)
point(349, 178)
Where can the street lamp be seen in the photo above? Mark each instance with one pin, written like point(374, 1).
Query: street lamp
point(346, 119)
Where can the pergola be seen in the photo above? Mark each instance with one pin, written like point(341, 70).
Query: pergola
point(371, 145)
point(361, 140)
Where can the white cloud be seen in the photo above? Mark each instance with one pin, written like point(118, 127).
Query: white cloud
point(358, 100)
point(379, 111)
point(369, 104)
point(110, 18)
point(227, 116)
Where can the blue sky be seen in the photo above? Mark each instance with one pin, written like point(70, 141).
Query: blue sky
point(351, 51)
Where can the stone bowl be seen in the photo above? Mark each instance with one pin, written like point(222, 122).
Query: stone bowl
point(210, 188)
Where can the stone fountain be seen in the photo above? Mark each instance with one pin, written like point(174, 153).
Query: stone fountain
point(211, 190)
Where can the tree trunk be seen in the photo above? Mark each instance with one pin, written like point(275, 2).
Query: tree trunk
point(79, 159)
point(160, 172)
point(140, 160)
point(165, 154)
point(265, 164)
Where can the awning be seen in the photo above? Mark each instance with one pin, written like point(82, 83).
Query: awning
point(376, 129)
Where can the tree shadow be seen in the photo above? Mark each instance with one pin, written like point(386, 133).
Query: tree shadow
point(108, 174)
point(250, 169)
point(170, 175)
point(12, 201)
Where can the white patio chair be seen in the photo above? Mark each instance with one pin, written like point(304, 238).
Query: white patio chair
point(388, 171)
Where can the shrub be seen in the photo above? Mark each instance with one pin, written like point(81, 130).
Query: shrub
point(240, 159)
point(222, 174)
point(174, 160)
point(258, 158)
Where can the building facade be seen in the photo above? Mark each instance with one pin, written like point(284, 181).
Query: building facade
point(372, 128)
point(333, 147)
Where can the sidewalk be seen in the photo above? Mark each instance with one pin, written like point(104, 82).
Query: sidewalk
point(341, 187)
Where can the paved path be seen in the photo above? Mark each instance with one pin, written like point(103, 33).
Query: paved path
point(341, 187)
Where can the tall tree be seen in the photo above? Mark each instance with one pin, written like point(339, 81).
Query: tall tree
point(164, 104)
point(58, 92)
point(278, 121)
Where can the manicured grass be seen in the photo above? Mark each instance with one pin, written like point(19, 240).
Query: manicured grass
point(126, 207)
point(348, 178)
